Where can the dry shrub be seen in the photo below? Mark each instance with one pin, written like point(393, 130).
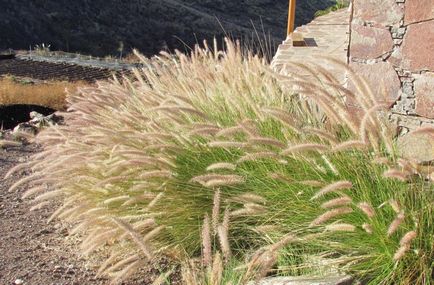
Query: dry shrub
point(50, 94)
point(141, 163)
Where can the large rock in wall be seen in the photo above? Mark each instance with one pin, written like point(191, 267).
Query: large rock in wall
point(418, 11)
point(392, 45)
point(418, 47)
point(370, 42)
point(377, 12)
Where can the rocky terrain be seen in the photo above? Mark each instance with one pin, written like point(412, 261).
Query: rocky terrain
point(102, 27)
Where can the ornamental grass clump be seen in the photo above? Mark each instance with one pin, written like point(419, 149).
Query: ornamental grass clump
point(216, 147)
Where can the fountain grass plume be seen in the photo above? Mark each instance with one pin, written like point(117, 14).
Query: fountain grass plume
point(220, 133)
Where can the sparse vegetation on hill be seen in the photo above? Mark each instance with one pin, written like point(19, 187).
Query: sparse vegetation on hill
point(215, 153)
point(113, 27)
point(340, 4)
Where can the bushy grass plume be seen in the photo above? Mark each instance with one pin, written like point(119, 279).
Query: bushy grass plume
point(139, 163)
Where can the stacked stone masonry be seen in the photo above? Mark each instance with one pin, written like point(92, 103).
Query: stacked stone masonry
point(392, 46)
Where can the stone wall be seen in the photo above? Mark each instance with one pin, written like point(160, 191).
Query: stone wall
point(392, 46)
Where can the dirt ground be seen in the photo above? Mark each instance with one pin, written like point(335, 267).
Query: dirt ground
point(36, 253)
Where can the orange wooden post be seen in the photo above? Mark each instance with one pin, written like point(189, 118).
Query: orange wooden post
point(291, 16)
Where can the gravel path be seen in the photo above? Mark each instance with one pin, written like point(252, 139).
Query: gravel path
point(36, 253)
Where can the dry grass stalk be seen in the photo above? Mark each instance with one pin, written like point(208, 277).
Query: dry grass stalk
point(367, 119)
point(19, 167)
point(48, 195)
point(226, 220)
point(156, 174)
point(305, 147)
point(284, 117)
point(322, 134)
point(281, 177)
point(284, 241)
point(122, 263)
point(340, 228)
point(216, 211)
point(334, 187)
point(206, 242)
point(350, 145)
point(135, 236)
point(24, 180)
point(116, 199)
point(39, 206)
point(217, 270)
point(342, 201)
point(408, 166)
point(221, 165)
point(208, 177)
point(249, 126)
point(329, 164)
point(402, 250)
point(34, 190)
point(227, 144)
point(107, 263)
point(381, 160)
point(9, 143)
point(229, 131)
point(330, 215)
point(223, 182)
point(125, 273)
point(407, 238)
point(249, 198)
point(257, 156)
point(267, 141)
point(162, 279)
point(395, 224)
point(152, 234)
point(367, 228)
point(395, 206)
point(245, 212)
point(154, 201)
point(312, 183)
point(204, 131)
point(367, 209)
point(396, 174)
point(265, 229)
point(224, 242)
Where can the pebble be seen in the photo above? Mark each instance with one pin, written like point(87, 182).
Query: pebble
point(18, 282)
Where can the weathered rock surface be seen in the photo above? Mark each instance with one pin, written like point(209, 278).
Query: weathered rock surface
point(418, 147)
point(382, 78)
point(370, 42)
point(424, 90)
point(418, 11)
point(417, 49)
point(378, 12)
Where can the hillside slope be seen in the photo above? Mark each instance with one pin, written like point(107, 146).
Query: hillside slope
point(98, 26)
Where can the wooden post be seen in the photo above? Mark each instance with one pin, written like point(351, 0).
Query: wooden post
point(291, 16)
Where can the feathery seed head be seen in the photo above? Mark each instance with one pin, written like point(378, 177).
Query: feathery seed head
point(334, 187)
point(407, 238)
point(342, 201)
point(330, 215)
point(340, 228)
point(367, 209)
point(395, 224)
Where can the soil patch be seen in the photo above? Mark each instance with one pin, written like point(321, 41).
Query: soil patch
point(38, 253)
